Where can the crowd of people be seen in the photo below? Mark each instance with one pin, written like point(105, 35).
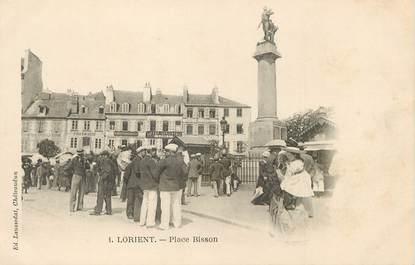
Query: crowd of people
point(153, 183)
point(288, 180)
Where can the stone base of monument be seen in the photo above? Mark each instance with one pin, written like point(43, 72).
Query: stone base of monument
point(263, 130)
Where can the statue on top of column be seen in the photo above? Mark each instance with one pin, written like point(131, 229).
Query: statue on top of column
point(268, 26)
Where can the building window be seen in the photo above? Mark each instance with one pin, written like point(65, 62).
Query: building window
point(141, 108)
point(98, 126)
point(124, 142)
point(125, 125)
point(283, 133)
point(112, 125)
point(86, 141)
point(239, 146)
point(179, 110)
point(178, 123)
point(42, 109)
point(239, 112)
point(74, 125)
point(113, 107)
point(201, 129)
point(140, 126)
point(165, 126)
point(25, 126)
point(189, 129)
point(153, 126)
point(83, 109)
point(97, 143)
point(101, 110)
point(226, 112)
point(166, 108)
point(139, 143)
point(74, 142)
point(227, 129)
point(212, 129)
point(212, 113)
point(86, 125)
point(125, 107)
point(153, 108)
point(239, 129)
point(111, 143)
point(41, 125)
point(190, 113)
point(152, 141)
point(56, 126)
point(201, 113)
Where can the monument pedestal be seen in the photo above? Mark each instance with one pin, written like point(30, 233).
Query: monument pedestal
point(266, 127)
point(261, 131)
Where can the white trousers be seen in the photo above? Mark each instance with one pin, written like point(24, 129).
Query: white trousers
point(171, 199)
point(148, 208)
point(228, 185)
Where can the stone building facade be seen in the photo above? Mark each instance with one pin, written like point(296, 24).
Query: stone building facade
point(112, 118)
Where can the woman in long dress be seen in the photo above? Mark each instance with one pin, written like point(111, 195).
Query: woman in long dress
point(296, 191)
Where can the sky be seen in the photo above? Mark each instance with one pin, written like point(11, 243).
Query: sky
point(86, 45)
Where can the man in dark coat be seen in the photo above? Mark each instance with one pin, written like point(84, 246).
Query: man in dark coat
point(27, 167)
point(226, 163)
point(106, 181)
point(149, 185)
point(267, 179)
point(215, 170)
point(195, 170)
point(77, 165)
point(171, 172)
point(134, 192)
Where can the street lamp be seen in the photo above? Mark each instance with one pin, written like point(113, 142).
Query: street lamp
point(223, 126)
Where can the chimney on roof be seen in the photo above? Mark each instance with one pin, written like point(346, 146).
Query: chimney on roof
point(147, 92)
point(109, 94)
point(185, 94)
point(215, 95)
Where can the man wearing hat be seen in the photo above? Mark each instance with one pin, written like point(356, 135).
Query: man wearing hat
point(148, 184)
point(195, 169)
point(77, 166)
point(226, 163)
point(171, 172)
point(134, 192)
point(106, 181)
point(216, 175)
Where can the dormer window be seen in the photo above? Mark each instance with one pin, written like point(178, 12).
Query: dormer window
point(84, 109)
point(101, 110)
point(141, 108)
point(125, 108)
point(43, 110)
point(113, 107)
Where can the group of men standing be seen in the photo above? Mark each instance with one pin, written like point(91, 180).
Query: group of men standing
point(223, 175)
point(151, 186)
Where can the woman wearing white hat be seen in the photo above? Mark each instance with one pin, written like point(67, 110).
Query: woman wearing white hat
point(297, 181)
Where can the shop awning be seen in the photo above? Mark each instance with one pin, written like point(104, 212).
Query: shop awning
point(319, 145)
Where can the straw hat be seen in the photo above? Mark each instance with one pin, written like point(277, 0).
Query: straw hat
point(141, 148)
point(266, 154)
point(171, 147)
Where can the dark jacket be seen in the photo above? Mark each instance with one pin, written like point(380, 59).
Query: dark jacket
point(226, 162)
point(216, 171)
point(195, 168)
point(106, 171)
point(148, 170)
point(134, 175)
point(77, 165)
point(171, 172)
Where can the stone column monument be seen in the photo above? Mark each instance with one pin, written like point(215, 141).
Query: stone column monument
point(266, 127)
